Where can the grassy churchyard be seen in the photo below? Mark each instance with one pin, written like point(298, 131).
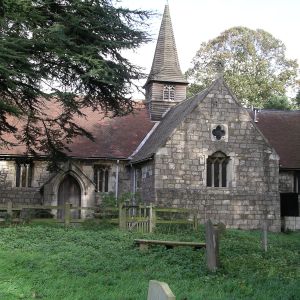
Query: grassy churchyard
point(101, 262)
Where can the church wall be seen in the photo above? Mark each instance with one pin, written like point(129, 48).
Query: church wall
point(83, 169)
point(252, 172)
point(21, 195)
point(146, 191)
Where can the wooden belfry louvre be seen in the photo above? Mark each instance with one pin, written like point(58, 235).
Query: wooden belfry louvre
point(217, 170)
point(169, 92)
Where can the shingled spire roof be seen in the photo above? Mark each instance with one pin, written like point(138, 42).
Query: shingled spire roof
point(165, 65)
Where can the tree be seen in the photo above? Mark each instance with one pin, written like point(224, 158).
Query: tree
point(70, 52)
point(278, 102)
point(297, 100)
point(255, 66)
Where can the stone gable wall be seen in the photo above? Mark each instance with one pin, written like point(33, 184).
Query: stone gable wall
point(180, 166)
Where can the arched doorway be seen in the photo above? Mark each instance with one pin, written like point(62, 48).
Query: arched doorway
point(69, 191)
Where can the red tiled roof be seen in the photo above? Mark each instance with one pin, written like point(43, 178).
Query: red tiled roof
point(282, 130)
point(114, 137)
point(118, 138)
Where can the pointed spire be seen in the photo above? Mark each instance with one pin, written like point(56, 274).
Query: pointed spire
point(165, 66)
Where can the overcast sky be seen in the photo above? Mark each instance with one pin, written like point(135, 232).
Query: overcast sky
point(197, 21)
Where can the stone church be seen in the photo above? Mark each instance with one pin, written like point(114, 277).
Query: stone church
point(207, 153)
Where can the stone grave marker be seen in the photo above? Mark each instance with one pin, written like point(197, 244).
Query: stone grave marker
point(212, 246)
point(159, 291)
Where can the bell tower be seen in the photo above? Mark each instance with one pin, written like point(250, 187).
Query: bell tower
point(166, 85)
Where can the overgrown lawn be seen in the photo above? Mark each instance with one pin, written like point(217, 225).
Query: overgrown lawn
point(97, 262)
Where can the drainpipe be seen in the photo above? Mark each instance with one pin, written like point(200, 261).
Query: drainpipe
point(117, 182)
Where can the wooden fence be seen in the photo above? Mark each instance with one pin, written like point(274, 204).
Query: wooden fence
point(139, 218)
point(144, 218)
point(67, 208)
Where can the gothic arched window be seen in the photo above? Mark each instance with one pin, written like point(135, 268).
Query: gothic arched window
point(217, 169)
point(24, 173)
point(101, 177)
point(169, 93)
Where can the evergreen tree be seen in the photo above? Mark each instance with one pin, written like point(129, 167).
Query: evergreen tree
point(70, 51)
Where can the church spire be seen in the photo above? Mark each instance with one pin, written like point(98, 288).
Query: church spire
point(166, 85)
point(165, 65)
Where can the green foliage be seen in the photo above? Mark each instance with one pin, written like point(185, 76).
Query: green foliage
point(70, 51)
point(129, 197)
point(278, 102)
point(86, 263)
point(297, 100)
point(255, 65)
point(110, 200)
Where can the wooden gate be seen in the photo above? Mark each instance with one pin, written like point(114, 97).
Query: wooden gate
point(136, 217)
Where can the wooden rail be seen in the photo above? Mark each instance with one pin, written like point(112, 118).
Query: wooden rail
point(141, 218)
point(144, 218)
point(143, 244)
point(67, 208)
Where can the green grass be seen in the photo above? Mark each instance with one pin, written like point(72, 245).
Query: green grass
point(91, 262)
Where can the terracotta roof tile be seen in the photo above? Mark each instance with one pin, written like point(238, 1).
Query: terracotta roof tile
point(115, 138)
point(282, 130)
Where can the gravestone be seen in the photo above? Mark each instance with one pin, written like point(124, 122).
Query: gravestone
point(212, 246)
point(159, 291)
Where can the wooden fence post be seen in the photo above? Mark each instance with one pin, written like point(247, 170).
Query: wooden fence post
point(9, 208)
point(67, 213)
point(122, 217)
point(151, 218)
point(264, 241)
point(195, 222)
point(212, 246)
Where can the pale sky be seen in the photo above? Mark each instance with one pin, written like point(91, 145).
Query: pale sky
point(197, 21)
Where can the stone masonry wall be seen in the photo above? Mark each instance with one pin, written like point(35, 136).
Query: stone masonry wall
point(252, 178)
point(35, 195)
point(21, 195)
point(147, 190)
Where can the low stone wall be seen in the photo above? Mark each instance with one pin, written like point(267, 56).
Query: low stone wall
point(20, 195)
point(291, 223)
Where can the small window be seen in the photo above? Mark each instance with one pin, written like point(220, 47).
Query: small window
point(169, 93)
point(138, 178)
point(101, 178)
point(24, 173)
point(217, 170)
